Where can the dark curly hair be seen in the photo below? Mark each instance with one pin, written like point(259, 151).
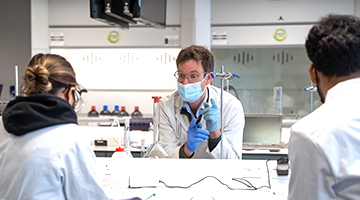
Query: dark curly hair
point(333, 45)
point(197, 53)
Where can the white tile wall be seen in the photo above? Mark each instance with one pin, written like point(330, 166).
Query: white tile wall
point(124, 77)
point(130, 77)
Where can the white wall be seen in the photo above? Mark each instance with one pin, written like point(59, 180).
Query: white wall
point(15, 42)
point(127, 73)
point(39, 26)
point(124, 77)
point(357, 8)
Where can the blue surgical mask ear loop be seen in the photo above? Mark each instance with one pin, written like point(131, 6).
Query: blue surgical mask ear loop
point(200, 116)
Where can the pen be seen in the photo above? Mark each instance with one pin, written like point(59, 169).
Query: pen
point(198, 120)
point(150, 196)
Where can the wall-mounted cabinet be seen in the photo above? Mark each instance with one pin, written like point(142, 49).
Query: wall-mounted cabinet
point(242, 12)
point(265, 23)
point(259, 36)
point(114, 37)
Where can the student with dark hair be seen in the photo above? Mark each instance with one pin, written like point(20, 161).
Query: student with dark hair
point(324, 148)
point(42, 154)
point(179, 134)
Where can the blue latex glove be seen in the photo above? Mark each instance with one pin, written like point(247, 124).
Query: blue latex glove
point(211, 115)
point(195, 135)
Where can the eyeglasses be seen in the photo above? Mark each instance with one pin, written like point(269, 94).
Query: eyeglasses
point(79, 102)
point(192, 77)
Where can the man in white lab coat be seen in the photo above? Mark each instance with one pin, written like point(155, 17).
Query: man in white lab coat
point(324, 148)
point(179, 133)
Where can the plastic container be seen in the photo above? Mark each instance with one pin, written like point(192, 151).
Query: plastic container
point(123, 112)
point(116, 111)
point(136, 113)
point(105, 113)
point(120, 169)
point(93, 112)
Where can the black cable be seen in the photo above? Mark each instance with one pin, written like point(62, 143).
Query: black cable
point(232, 88)
point(186, 187)
point(240, 180)
point(256, 188)
point(248, 184)
point(116, 141)
point(267, 168)
point(236, 94)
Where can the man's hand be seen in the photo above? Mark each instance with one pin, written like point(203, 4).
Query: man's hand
point(195, 135)
point(211, 115)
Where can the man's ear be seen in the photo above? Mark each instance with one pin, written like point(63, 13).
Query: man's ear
point(208, 79)
point(312, 72)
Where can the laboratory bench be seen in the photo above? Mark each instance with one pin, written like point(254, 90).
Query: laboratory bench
point(263, 154)
point(107, 151)
point(201, 182)
point(115, 134)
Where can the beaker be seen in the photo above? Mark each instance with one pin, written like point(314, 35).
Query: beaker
point(278, 100)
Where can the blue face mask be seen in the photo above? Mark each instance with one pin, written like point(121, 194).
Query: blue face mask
point(190, 92)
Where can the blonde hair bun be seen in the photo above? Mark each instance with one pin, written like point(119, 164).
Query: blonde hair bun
point(44, 69)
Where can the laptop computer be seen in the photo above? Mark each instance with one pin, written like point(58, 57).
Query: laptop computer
point(262, 132)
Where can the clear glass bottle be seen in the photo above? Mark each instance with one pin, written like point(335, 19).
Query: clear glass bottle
point(136, 113)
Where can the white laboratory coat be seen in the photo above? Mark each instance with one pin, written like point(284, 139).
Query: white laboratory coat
point(49, 163)
point(174, 126)
point(324, 147)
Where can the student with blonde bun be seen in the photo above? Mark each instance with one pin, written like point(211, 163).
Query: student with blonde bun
point(42, 154)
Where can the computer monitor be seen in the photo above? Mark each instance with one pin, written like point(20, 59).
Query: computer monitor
point(262, 131)
point(97, 12)
point(119, 9)
point(150, 12)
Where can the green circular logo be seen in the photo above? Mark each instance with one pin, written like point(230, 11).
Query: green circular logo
point(280, 35)
point(113, 37)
